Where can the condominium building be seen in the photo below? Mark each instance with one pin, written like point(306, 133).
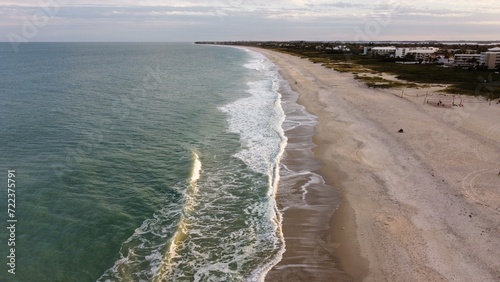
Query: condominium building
point(380, 51)
point(418, 52)
point(467, 59)
point(490, 59)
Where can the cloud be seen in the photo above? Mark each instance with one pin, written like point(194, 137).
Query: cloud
point(255, 19)
point(145, 13)
point(426, 11)
point(342, 5)
point(111, 12)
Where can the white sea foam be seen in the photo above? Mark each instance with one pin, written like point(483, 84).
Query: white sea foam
point(302, 124)
point(184, 226)
point(195, 175)
point(259, 120)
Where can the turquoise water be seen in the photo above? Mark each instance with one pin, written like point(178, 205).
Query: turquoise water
point(140, 162)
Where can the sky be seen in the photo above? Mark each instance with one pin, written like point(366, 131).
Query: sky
point(230, 20)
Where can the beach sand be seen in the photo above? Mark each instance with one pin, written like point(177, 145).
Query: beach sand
point(422, 205)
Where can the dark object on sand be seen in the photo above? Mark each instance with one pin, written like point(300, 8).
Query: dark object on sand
point(400, 131)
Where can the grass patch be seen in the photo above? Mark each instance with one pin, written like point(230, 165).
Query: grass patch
point(379, 82)
point(346, 67)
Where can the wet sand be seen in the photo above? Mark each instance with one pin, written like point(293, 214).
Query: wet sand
point(422, 205)
point(306, 202)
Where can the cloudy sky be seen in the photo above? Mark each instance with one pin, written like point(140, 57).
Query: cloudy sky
point(193, 20)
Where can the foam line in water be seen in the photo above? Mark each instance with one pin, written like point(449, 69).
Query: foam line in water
point(313, 179)
point(259, 122)
point(155, 243)
point(182, 231)
point(196, 172)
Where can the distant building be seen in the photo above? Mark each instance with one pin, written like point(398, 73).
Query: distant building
point(442, 59)
point(419, 52)
point(467, 59)
point(380, 51)
point(490, 59)
point(342, 48)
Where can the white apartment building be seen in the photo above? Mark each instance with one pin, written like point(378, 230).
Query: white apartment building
point(467, 59)
point(419, 52)
point(423, 53)
point(490, 59)
point(382, 51)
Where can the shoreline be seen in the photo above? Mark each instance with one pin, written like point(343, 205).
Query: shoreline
point(304, 200)
point(419, 205)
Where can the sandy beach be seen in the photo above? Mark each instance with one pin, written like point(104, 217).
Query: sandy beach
point(417, 205)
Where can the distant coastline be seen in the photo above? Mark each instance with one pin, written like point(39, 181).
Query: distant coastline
point(469, 76)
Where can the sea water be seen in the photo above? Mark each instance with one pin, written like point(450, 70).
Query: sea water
point(141, 161)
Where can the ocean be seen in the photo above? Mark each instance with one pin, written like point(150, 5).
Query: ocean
point(140, 162)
